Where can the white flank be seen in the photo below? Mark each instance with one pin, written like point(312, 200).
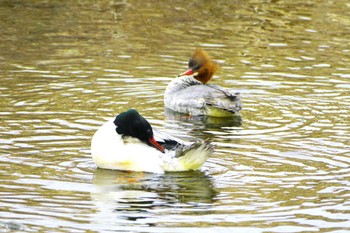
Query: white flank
point(110, 151)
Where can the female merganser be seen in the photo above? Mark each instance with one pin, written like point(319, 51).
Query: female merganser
point(190, 94)
point(128, 143)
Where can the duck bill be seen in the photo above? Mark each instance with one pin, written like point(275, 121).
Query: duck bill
point(187, 72)
point(154, 143)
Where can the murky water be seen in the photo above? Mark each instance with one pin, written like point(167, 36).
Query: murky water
point(67, 66)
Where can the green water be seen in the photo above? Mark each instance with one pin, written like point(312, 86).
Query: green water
point(67, 66)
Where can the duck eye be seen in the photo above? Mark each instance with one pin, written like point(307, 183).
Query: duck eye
point(196, 67)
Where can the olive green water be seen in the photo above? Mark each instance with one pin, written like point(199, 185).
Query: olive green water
point(67, 66)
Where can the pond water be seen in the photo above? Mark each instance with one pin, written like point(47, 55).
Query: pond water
point(68, 66)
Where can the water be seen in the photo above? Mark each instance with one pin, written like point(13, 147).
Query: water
point(67, 66)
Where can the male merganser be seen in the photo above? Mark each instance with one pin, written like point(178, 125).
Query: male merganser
point(129, 143)
point(190, 94)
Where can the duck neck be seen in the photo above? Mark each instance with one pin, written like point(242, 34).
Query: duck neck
point(181, 83)
point(204, 76)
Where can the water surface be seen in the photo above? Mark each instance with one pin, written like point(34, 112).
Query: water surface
point(68, 66)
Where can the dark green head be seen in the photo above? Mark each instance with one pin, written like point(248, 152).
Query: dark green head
point(131, 123)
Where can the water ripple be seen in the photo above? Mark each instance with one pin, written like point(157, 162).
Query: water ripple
point(283, 166)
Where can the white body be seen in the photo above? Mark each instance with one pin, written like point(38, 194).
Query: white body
point(110, 151)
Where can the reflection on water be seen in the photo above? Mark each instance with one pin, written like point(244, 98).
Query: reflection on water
point(67, 66)
point(130, 198)
point(174, 187)
point(204, 121)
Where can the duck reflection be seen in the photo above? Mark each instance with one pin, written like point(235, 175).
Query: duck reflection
point(133, 195)
point(204, 121)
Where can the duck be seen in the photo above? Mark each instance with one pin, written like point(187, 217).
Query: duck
point(189, 93)
point(129, 143)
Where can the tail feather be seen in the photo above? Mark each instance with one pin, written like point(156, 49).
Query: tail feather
point(231, 104)
point(193, 157)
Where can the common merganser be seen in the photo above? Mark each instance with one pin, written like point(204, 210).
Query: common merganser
point(190, 94)
point(128, 142)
